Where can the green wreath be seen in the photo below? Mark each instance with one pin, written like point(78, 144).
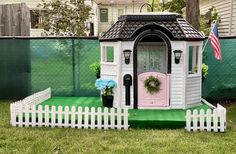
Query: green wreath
point(152, 84)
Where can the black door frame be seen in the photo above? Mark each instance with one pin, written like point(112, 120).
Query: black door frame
point(137, 40)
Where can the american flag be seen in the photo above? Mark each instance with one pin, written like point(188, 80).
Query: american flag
point(215, 42)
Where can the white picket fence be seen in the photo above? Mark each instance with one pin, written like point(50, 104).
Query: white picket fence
point(211, 120)
point(27, 113)
point(35, 98)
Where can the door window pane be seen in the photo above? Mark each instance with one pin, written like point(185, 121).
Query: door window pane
point(151, 58)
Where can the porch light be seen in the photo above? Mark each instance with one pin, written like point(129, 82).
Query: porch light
point(127, 54)
point(178, 54)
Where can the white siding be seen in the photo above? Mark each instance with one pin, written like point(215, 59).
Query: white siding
point(193, 91)
point(177, 81)
point(127, 69)
point(227, 11)
point(193, 88)
point(113, 15)
point(113, 70)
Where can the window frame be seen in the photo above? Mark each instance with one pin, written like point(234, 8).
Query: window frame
point(100, 17)
point(39, 19)
point(197, 49)
point(105, 53)
point(119, 10)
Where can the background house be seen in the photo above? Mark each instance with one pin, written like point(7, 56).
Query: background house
point(227, 11)
point(106, 12)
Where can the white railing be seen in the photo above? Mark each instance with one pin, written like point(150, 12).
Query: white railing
point(35, 98)
point(51, 116)
point(210, 121)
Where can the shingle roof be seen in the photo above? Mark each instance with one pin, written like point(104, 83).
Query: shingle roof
point(174, 24)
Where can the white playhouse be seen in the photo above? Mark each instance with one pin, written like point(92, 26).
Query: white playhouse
point(155, 60)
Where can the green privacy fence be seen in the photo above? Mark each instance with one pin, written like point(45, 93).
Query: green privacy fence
point(220, 83)
point(28, 65)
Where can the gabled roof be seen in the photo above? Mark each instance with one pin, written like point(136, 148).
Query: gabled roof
point(120, 2)
point(173, 25)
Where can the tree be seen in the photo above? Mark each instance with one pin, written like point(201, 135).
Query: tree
point(64, 18)
point(167, 5)
point(174, 6)
point(193, 13)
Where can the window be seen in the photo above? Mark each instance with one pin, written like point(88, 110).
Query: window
point(103, 15)
point(108, 54)
point(193, 63)
point(120, 12)
point(36, 18)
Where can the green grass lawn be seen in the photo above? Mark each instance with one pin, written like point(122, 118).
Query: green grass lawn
point(68, 140)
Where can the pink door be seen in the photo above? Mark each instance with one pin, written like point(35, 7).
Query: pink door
point(152, 62)
point(159, 99)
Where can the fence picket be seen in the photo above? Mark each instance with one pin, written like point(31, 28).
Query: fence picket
point(126, 115)
point(222, 121)
point(73, 113)
point(99, 118)
point(26, 115)
point(105, 116)
point(215, 120)
point(13, 114)
point(188, 120)
point(53, 116)
point(112, 117)
point(66, 118)
point(46, 116)
point(59, 114)
point(202, 118)
point(86, 117)
point(33, 115)
point(209, 115)
point(92, 118)
point(40, 116)
point(195, 120)
point(119, 118)
point(80, 117)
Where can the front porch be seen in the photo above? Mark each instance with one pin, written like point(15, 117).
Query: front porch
point(138, 118)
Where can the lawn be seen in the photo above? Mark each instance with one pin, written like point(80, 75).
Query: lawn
point(67, 140)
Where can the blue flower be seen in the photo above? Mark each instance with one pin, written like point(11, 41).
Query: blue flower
point(102, 84)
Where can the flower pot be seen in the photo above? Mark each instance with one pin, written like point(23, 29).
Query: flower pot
point(107, 101)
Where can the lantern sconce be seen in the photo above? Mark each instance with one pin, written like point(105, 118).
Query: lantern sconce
point(127, 54)
point(178, 54)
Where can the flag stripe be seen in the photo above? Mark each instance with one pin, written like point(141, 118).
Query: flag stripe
point(215, 42)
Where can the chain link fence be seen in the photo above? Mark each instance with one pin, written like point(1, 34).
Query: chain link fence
point(220, 83)
point(28, 65)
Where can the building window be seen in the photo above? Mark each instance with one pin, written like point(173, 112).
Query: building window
point(103, 15)
point(108, 54)
point(120, 12)
point(193, 60)
point(36, 17)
